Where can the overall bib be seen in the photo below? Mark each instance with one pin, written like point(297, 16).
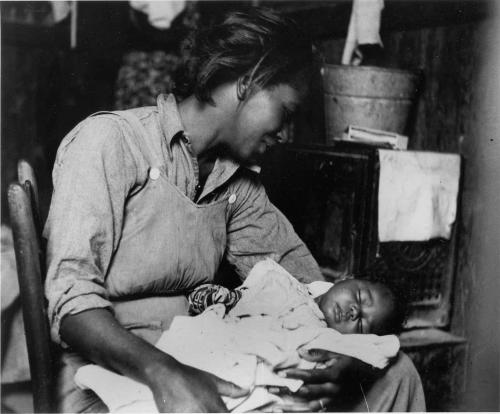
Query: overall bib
point(169, 245)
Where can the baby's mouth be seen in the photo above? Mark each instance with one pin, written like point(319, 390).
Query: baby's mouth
point(340, 315)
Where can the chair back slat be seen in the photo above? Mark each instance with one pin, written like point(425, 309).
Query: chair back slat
point(25, 173)
point(30, 260)
point(32, 197)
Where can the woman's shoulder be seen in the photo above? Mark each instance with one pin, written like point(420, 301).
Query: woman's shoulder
point(108, 131)
point(246, 180)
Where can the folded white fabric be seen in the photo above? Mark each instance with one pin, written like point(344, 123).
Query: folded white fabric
point(364, 28)
point(318, 288)
point(247, 347)
point(372, 349)
point(417, 198)
point(160, 13)
point(270, 290)
point(121, 394)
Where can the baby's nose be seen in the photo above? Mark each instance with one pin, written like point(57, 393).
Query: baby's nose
point(354, 312)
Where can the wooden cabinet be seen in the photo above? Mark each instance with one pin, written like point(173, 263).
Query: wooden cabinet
point(329, 193)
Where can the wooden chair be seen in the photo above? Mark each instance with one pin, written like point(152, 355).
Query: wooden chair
point(30, 258)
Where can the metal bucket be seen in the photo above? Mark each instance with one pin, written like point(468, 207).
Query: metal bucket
point(367, 96)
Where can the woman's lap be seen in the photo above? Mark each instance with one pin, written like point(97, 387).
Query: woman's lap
point(400, 389)
point(145, 317)
point(70, 398)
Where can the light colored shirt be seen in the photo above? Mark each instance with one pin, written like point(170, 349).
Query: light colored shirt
point(115, 230)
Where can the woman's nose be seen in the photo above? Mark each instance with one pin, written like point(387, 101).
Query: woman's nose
point(284, 136)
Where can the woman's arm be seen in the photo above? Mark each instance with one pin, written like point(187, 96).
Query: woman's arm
point(258, 230)
point(97, 335)
point(94, 173)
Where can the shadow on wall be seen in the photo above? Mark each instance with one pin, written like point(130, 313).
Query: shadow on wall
point(480, 261)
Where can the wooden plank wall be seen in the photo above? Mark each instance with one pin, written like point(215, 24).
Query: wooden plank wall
point(446, 120)
point(447, 57)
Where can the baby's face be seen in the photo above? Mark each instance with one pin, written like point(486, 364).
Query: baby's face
point(357, 306)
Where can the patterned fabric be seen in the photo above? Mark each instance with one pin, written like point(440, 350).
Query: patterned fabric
point(146, 74)
point(208, 294)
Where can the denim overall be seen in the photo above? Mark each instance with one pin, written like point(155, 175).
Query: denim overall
point(169, 245)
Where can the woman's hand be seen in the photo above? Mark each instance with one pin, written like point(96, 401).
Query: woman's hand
point(321, 386)
point(98, 336)
point(318, 392)
point(187, 389)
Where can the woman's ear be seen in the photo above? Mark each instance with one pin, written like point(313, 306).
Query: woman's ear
point(242, 86)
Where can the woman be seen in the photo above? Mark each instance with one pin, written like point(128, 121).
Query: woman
point(148, 202)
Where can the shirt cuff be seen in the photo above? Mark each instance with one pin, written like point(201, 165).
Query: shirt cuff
point(72, 307)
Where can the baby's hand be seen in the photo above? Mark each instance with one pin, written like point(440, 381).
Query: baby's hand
point(328, 358)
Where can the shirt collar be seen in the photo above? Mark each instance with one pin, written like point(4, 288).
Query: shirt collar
point(170, 119)
point(171, 125)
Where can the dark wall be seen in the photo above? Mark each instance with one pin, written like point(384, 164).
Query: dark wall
point(458, 111)
point(47, 87)
point(479, 261)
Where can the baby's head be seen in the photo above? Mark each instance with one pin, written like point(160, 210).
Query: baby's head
point(362, 306)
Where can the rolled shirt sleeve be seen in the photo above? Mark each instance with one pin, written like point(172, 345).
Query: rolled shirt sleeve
point(93, 175)
point(257, 230)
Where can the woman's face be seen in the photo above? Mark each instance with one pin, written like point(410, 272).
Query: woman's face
point(357, 306)
point(260, 121)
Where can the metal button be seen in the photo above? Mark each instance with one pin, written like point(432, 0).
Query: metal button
point(154, 173)
point(232, 198)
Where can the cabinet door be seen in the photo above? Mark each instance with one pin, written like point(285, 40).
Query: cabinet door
point(326, 195)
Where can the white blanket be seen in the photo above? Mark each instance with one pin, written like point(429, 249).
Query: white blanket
point(246, 350)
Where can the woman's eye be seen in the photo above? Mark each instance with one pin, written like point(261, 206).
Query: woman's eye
point(287, 115)
point(277, 137)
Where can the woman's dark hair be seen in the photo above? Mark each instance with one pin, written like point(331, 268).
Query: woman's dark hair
point(260, 47)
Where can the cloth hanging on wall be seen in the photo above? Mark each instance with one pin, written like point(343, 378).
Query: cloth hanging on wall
point(418, 192)
point(364, 28)
point(160, 14)
point(60, 10)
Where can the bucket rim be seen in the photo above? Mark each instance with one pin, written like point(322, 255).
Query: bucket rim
point(370, 68)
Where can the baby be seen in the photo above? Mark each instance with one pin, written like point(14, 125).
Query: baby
point(348, 306)
point(270, 323)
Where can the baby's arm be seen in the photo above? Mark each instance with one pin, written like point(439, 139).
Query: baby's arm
point(342, 367)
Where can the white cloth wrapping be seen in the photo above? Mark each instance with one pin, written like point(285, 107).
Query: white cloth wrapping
point(364, 28)
point(417, 198)
point(246, 350)
point(60, 10)
point(160, 14)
